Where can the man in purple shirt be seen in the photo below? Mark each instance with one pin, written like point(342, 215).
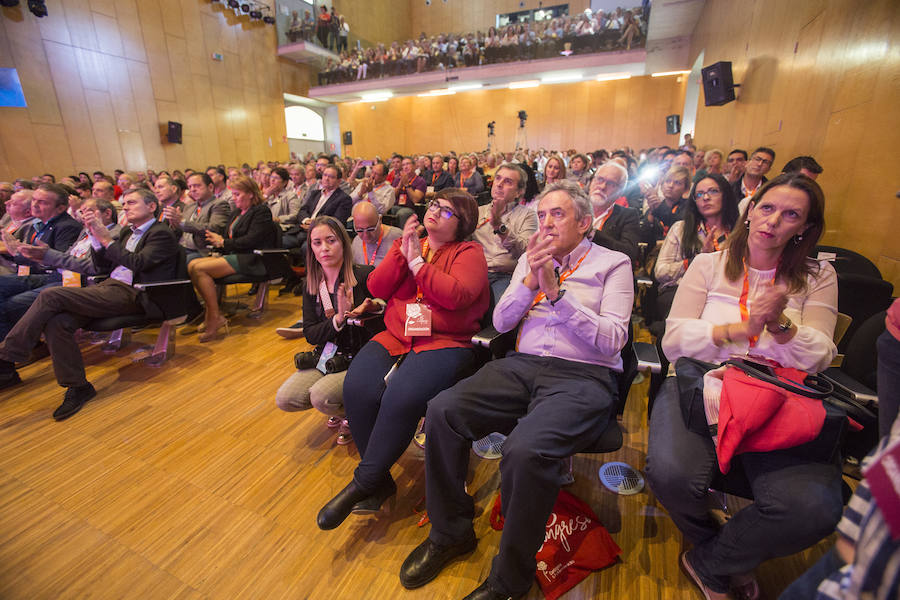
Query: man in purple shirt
point(572, 301)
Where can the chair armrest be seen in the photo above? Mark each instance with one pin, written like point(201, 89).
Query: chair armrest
point(95, 279)
point(161, 284)
point(647, 357)
point(271, 251)
point(483, 338)
point(846, 386)
point(498, 343)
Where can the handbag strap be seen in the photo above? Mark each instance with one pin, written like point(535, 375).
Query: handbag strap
point(813, 386)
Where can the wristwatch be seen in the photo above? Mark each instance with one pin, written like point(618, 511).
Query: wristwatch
point(502, 230)
point(558, 297)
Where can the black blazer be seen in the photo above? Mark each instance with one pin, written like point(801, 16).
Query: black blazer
point(621, 232)
point(255, 230)
point(319, 329)
point(338, 206)
point(155, 258)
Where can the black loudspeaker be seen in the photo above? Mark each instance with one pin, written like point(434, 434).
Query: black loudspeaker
point(673, 124)
point(174, 135)
point(348, 138)
point(718, 84)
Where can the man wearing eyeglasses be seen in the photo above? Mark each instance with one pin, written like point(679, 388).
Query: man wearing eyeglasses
point(375, 189)
point(504, 226)
point(373, 238)
point(754, 175)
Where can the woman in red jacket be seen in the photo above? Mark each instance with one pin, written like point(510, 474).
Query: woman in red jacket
point(437, 291)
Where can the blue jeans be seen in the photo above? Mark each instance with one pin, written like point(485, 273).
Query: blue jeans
point(18, 293)
point(796, 502)
point(383, 418)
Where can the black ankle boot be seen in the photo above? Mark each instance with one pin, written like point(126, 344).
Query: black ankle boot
point(339, 508)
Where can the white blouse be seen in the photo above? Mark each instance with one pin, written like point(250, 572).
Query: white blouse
point(706, 298)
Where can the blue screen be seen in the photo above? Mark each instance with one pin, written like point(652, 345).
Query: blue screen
point(11, 89)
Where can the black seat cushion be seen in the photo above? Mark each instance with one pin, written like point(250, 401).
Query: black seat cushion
point(119, 322)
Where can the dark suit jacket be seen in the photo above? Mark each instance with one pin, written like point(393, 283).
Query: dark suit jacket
point(155, 258)
point(60, 233)
point(736, 186)
point(319, 329)
point(621, 232)
point(338, 206)
point(255, 230)
point(444, 180)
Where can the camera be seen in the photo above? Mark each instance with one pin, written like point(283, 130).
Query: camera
point(523, 116)
point(337, 363)
point(490, 127)
point(307, 360)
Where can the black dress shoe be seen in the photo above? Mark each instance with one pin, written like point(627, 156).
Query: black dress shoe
point(373, 503)
point(74, 399)
point(8, 375)
point(425, 562)
point(486, 592)
point(339, 507)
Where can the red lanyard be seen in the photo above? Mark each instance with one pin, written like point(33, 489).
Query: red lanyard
point(374, 252)
point(705, 231)
point(434, 177)
point(745, 313)
point(562, 278)
point(603, 221)
point(480, 225)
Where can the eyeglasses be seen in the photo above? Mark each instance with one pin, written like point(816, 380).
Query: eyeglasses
point(445, 212)
point(761, 160)
point(365, 229)
point(710, 193)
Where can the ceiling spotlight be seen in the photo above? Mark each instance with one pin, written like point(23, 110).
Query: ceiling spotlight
point(245, 7)
point(256, 15)
point(234, 4)
point(269, 20)
point(37, 8)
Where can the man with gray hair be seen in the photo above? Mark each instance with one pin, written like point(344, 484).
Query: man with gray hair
point(615, 227)
point(571, 301)
point(146, 252)
point(6, 192)
point(504, 226)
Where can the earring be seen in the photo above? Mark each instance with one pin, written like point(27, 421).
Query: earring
point(747, 224)
point(798, 239)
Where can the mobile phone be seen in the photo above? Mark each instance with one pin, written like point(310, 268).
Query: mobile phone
point(365, 163)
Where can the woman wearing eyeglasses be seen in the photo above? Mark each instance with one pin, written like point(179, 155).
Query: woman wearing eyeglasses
point(438, 292)
point(709, 216)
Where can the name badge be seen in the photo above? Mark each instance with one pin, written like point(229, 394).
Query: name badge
point(429, 190)
point(418, 320)
point(24, 271)
point(71, 279)
point(883, 477)
point(402, 199)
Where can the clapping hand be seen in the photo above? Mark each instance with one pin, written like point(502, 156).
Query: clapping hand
point(11, 243)
point(173, 215)
point(215, 239)
point(709, 244)
point(766, 308)
point(99, 231)
point(368, 306)
point(344, 302)
point(34, 252)
point(540, 264)
point(409, 246)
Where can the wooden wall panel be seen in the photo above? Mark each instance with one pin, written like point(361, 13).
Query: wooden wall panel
point(585, 115)
point(102, 77)
point(818, 78)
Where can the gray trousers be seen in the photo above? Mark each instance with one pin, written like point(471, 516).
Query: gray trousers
point(57, 313)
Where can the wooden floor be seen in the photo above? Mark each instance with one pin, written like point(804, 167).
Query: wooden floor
point(187, 482)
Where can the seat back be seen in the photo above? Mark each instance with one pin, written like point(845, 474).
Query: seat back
point(849, 262)
point(860, 297)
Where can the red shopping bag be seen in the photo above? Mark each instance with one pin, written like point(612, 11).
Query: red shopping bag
point(575, 543)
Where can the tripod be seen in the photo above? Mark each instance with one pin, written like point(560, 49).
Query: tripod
point(521, 137)
point(490, 140)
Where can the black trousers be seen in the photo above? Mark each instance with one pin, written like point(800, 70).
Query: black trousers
point(550, 408)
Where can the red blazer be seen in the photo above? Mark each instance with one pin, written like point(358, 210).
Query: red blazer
point(454, 286)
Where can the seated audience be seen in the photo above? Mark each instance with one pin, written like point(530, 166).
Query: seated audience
point(615, 227)
point(220, 185)
point(504, 226)
point(145, 252)
point(51, 225)
point(437, 293)
point(468, 176)
point(19, 294)
point(735, 164)
point(373, 238)
point(578, 171)
point(710, 214)
point(335, 290)
point(169, 195)
point(551, 401)
point(666, 203)
point(284, 205)
point(202, 214)
point(329, 200)
point(754, 176)
point(375, 189)
point(713, 163)
point(250, 227)
point(761, 295)
point(409, 189)
point(805, 165)
point(554, 170)
point(436, 177)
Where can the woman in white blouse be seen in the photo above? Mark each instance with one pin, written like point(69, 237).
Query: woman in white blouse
point(764, 297)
